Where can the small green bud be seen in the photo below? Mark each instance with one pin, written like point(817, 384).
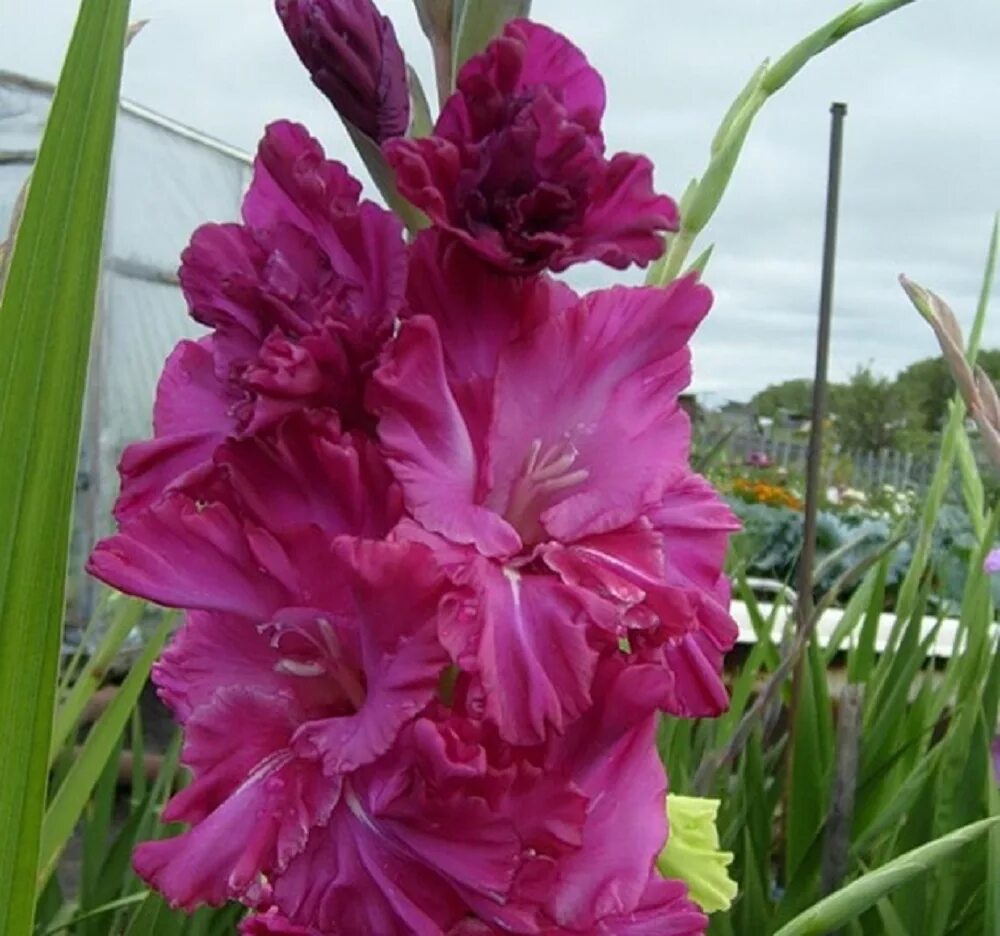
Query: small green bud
point(692, 852)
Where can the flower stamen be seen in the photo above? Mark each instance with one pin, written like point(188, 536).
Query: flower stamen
point(544, 473)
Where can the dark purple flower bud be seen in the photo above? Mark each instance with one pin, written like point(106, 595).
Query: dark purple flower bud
point(352, 54)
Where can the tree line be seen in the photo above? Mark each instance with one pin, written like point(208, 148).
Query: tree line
point(873, 412)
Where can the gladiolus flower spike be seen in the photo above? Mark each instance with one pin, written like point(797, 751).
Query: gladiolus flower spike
point(431, 520)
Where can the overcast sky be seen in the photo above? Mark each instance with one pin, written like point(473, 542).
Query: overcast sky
point(921, 158)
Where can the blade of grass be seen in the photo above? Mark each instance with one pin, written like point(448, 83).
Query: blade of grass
point(46, 313)
point(95, 912)
point(72, 668)
point(127, 615)
point(850, 901)
point(97, 817)
point(72, 795)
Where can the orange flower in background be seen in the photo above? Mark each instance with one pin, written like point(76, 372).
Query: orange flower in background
point(760, 492)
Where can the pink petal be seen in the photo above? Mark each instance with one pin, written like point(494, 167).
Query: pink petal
point(189, 397)
point(663, 910)
point(625, 216)
point(309, 473)
point(219, 274)
point(551, 59)
point(669, 585)
point(396, 590)
point(191, 417)
point(212, 651)
point(609, 371)
point(696, 524)
point(695, 662)
point(272, 923)
point(527, 55)
point(303, 294)
point(478, 310)
point(992, 563)
point(225, 740)
point(246, 823)
point(182, 555)
point(427, 442)
point(525, 637)
point(293, 180)
point(611, 754)
point(295, 184)
point(516, 168)
point(351, 880)
point(150, 468)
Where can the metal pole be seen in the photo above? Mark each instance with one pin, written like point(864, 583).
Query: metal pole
point(815, 456)
point(804, 602)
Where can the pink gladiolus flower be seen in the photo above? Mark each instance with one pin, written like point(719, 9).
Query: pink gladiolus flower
point(442, 556)
point(306, 686)
point(505, 410)
point(300, 298)
point(516, 165)
point(279, 713)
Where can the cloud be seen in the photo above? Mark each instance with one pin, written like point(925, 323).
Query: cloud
point(921, 160)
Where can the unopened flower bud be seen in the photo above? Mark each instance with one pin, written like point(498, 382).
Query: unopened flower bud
point(692, 852)
point(354, 58)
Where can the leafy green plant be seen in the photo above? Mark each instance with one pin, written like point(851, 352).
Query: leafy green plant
point(878, 780)
point(46, 311)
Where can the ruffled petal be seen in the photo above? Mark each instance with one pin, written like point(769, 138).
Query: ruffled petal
point(609, 372)
point(625, 216)
point(428, 445)
point(516, 167)
point(294, 183)
point(250, 819)
point(272, 923)
point(191, 416)
point(550, 59)
point(309, 473)
point(213, 651)
point(352, 880)
point(525, 637)
point(396, 589)
point(183, 555)
point(611, 755)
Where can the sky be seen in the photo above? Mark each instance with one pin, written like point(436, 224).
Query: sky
point(921, 179)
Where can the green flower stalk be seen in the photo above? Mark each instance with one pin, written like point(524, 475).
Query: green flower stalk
point(692, 852)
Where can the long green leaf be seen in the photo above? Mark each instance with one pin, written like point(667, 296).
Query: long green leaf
point(849, 902)
point(127, 615)
point(703, 199)
point(96, 912)
point(75, 790)
point(46, 312)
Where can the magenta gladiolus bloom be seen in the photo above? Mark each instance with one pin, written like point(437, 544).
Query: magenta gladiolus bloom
point(351, 52)
point(441, 555)
point(516, 165)
point(300, 297)
point(542, 456)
